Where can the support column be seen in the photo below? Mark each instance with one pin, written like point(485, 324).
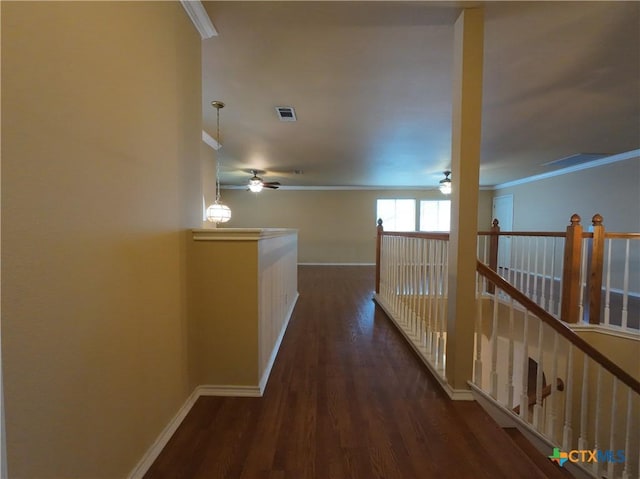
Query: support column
point(465, 164)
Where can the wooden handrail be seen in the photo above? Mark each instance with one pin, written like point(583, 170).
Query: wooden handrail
point(622, 235)
point(550, 234)
point(559, 327)
point(418, 234)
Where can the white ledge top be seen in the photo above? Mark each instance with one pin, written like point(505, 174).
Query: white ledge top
point(240, 234)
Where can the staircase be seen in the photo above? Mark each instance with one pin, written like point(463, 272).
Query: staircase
point(575, 399)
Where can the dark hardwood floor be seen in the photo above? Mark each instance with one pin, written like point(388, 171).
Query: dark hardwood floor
point(347, 398)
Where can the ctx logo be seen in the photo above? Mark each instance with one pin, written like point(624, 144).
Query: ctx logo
point(586, 455)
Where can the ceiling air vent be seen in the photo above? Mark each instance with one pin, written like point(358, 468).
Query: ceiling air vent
point(286, 113)
point(574, 160)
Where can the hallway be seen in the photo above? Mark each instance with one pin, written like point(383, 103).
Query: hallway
point(347, 398)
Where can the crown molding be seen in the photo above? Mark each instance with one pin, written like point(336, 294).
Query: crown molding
point(628, 155)
point(199, 18)
point(348, 188)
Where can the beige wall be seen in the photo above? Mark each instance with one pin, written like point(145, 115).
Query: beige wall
point(224, 331)
point(101, 118)
point(241, 291)
point(612, 190)
point(334, 226)
point(624, 351)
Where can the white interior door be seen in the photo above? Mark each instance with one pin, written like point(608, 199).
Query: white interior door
point(503, 212)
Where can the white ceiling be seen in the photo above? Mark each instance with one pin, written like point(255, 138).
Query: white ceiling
point(371, 86)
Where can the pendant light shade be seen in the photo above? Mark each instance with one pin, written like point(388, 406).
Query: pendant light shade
point(218, 212)
point(445, 184)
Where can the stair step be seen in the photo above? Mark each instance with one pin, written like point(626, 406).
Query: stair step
point(550, 469)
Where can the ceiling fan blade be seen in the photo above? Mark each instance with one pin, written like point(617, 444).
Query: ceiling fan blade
point(276, 183)
point(273, 186)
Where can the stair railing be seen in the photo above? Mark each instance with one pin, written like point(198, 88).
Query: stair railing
point(575, 275)
point(599, 409)
point(411, 285)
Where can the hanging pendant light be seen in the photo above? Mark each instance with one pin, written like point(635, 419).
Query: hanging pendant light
point(218, 212)
point(445, 184)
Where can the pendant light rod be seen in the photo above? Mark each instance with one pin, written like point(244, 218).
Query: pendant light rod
point(218, 212)
point(217, 105)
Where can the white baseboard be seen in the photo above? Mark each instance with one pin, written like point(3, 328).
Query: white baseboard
point(454, 394)
point(336, 264)
point(156, 448)
point(228, 390)
point(267, 372)
point(209, 390)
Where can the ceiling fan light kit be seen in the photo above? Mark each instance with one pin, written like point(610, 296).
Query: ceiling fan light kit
point(218, 212)
point(256, 184)
point(445, 184)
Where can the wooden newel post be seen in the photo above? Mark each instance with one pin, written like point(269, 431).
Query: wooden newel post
point(493, 252)
point(569, 310)
point(594, 278)
point(378, 253)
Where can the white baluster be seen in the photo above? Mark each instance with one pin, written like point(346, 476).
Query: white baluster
point(509, 386)
point(416, 288)
point(494, 348)
point(551, 400)
point(396, 275)
point(439, 305)
point(607, 293)
point(404, 283)
point(596, 434)
point(396, 266)
point(552, 307)
point(522, 270)
point(438, 332)
point(584, 404)
point(486, 249)
point(537, 408)
point(612, 430)
point(432, 296)
point(583, 280)
point(626, 474)
point(524, 397)
point(527, 291)
point(477, 365)
point(443, 318)
point(567, 430)
point(544, 272)
point(511, 273)
point(625, 294)
point(412, 287)
point(423, 291)
point(535, 271)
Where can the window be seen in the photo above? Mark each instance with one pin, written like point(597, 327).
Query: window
point(397, 215)
point(435, 215)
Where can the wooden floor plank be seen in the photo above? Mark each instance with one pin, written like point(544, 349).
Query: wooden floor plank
point(347, 399)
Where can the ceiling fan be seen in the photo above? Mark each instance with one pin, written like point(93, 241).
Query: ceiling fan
point(256, 184)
